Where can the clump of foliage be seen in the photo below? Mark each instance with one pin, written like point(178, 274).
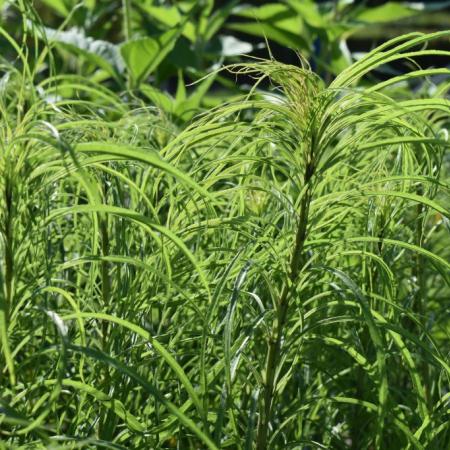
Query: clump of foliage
point(273, 275)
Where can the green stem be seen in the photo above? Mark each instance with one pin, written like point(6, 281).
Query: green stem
point(298, 261)
point(8, 240)
point(419, 306)
point(105, 278)
point(126, 10)
point(106, 283)
point(7, 298)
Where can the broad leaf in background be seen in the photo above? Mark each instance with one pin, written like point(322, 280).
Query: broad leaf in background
point(275, 21)
point(101, 54)
point(217, 19)
point(170, 17)
point(60, 6)
point(388, 12)
point(64, 7)
point(143, 55)
point(309, 12)
point(158, 98)
point(183, 107)
point(186, 108)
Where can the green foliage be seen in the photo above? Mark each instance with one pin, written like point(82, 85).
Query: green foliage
point(150, 42)
point(272, 273)
point(385, 13)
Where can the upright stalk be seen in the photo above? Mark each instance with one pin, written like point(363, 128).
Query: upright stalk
point(126, 11)
point(7, 297)
point(106, 283)
point(105, 278)
point(297, 262)
point(104, 266)
point(8, 245)
point(105, 427)
point(418, 271)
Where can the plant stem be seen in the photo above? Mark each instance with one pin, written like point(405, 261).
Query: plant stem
point(419, 300)
point(274, 347)
point(8, 237)
point(126, 10)
point(105, 278)
point(106, 283)
point(7, 298)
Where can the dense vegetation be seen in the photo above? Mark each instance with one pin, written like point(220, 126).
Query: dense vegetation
point(259, 260)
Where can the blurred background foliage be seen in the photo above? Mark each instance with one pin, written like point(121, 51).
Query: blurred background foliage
point(154, 48)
